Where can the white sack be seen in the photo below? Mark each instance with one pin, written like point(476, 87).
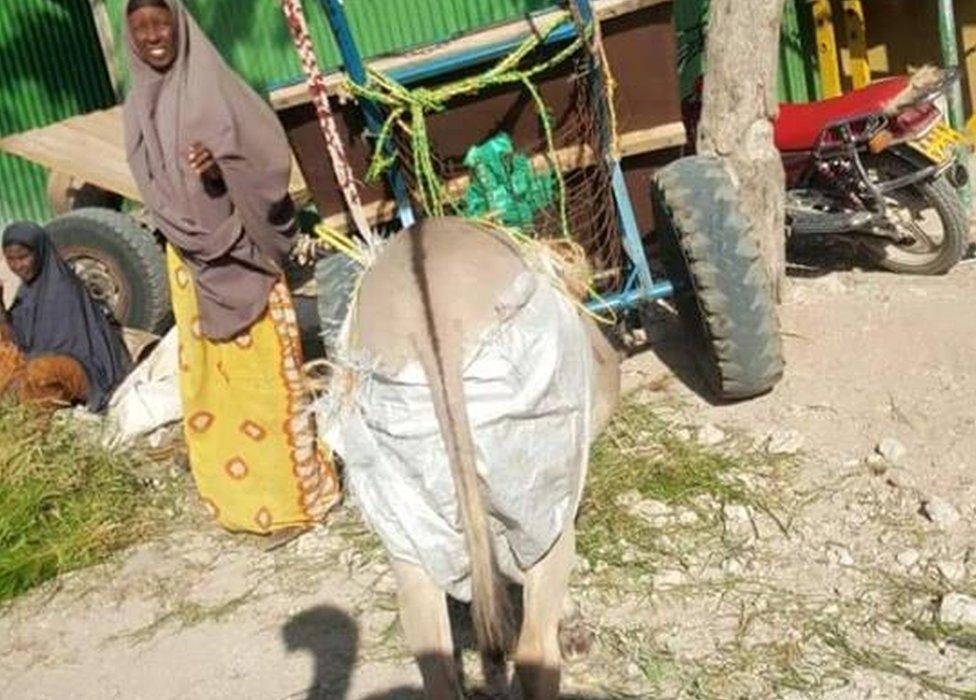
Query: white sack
point(149, 398)
point(529, 390)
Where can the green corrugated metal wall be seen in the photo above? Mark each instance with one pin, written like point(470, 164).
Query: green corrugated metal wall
point(51, 68)
point(797, 80)
point(253, 37)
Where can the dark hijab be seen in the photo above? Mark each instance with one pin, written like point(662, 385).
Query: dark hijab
point(53, 314)
point(234, 241)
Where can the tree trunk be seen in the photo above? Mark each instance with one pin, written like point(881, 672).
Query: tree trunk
point(738, 105)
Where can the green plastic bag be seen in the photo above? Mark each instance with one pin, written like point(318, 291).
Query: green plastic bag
point(504, 184)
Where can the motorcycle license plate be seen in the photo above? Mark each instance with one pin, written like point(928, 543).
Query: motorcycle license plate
point(939, 145)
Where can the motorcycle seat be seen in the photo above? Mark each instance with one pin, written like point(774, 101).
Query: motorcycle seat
point(798, 126)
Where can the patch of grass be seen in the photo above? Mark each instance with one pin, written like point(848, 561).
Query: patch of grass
point(65, 503)
point(349, 525)
point(889, 662)
point(935, 631)
point(639, 452)
point(913, 602)
point(186, 614)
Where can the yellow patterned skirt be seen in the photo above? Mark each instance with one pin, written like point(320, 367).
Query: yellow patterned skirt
point(253, 449)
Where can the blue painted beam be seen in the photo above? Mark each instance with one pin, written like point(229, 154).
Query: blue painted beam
point(428, 68)
point(439, 66)
point(356, 69)
point(633, 243)
point(631, 298)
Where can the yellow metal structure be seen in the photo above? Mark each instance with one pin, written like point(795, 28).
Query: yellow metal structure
point(857, 45)
point(823, 23)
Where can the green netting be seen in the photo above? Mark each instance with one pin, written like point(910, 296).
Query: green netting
point(408, 110)
point(558, 188)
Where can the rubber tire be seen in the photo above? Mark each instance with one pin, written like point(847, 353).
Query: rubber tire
point(722, 290)
point(135, 258)
point(943, 198)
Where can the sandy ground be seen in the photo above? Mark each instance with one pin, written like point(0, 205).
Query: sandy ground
point(870, 356)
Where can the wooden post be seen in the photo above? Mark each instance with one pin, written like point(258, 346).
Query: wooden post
point(104, 28)
point(738, 105)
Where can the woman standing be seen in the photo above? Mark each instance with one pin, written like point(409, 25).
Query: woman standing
point(212, 163)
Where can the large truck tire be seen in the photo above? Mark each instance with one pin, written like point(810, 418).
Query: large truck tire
point(722, 291)
point(120, 262)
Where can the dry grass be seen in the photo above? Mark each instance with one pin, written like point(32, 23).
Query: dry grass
point(65, 503)
point(789, 641)
point(640, 454)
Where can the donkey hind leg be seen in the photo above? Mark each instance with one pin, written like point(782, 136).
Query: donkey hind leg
point(537, 657)
point(427, 628)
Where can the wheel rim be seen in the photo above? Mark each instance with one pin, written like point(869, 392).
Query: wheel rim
point(916, 220)
point(921, 225)
point(103, 279)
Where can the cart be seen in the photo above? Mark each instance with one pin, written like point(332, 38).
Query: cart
point(684, 209)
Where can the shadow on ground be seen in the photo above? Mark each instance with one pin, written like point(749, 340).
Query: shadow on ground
point(331, 636)
point(666, 336)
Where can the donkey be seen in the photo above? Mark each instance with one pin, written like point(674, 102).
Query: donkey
point(431, 296)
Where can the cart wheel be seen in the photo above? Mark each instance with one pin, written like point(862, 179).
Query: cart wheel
point(120, 263)
point(722, 291)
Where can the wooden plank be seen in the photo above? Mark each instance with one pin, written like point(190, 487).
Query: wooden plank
point(571, 158)
point(105, 126)
point(74, 153)
point(91, 147)
point(642, 53)
point(295, 95)
point(103, 26)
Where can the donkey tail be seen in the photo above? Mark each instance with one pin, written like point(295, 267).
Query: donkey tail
point(490, 607)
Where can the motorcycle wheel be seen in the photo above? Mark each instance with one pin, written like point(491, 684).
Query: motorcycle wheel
point(930, 215)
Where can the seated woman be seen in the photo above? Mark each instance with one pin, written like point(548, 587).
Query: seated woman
point(57, 346)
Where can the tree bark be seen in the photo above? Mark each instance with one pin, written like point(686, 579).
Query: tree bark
point(738, 106)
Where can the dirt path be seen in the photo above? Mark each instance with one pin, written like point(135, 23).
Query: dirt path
point(810, 574)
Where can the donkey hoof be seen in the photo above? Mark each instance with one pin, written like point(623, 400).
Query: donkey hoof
point(575, 638)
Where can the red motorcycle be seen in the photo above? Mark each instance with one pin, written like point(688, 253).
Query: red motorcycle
point(879, 167)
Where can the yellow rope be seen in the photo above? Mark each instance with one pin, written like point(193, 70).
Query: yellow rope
point(401, 101)
point(341, 242)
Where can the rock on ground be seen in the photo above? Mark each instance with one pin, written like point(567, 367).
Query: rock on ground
point(940, 512)
point(958, 609)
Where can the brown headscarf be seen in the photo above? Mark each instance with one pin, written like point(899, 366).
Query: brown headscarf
point(235, 240)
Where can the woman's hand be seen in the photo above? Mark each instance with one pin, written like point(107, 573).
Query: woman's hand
point(6, 332)
point(202, 162)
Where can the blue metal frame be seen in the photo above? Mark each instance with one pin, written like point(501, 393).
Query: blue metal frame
point(640, 286)
point(356, 69)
